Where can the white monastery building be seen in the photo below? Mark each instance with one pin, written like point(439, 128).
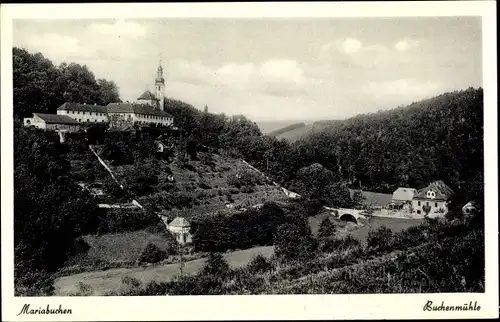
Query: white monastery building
point(84, 113)
point(137, 114)
point(148, 109)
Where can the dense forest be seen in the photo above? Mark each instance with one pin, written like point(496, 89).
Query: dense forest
point(436, 139)
point(40, 86)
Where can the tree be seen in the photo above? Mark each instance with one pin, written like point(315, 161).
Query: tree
point(326, 228)
point(312, 180)
point(108, 92)
point(426, 209)
point(293, 241)
point(35, 84)
point(152, 254)
point(216, 266)
point(50, 210)
point(41, 87)
point(358, 198)
point(337, 194)
point(142, 180)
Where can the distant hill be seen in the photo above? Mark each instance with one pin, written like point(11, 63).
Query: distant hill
point(288, 128)
point(268, 127)
point(293, 134)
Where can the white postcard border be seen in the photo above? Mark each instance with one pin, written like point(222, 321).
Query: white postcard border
point(284, 307)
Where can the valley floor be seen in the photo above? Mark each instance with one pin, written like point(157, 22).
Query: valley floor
point(105, 282)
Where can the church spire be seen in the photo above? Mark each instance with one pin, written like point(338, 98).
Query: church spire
point(160, 84)
point(159, 72)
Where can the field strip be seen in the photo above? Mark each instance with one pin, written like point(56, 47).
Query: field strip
point(103, 282)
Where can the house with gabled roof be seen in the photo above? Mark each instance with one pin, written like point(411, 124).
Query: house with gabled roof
point(52, 122)
point(402, 198)
point(435, 198)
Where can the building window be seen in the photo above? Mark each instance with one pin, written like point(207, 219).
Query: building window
point(435, 204)
point(83, 112)
point(419, 212)
point(78, 112)
point(419, 203)
point(427, 203)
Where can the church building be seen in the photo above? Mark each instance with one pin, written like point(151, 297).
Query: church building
point(147, 109)
point(155, 99)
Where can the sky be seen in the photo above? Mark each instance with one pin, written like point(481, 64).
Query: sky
point(272, 69)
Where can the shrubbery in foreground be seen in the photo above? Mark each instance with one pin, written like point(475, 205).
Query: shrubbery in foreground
point(449, 259)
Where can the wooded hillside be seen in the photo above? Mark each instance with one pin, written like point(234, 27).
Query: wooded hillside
point(40, 86)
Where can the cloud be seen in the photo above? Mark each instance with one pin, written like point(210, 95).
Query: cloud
point(344, 46)
point(98, 41)
point(347, 55)
point(351, 45)
point(406, 44)
point(56, 47)
point(286, 71)
point(407, 88)
point(119, 28)
point(276, 77)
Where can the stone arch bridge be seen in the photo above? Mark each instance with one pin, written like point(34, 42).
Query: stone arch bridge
point(354, 215)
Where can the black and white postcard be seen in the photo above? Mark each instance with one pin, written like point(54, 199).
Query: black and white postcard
point(277, 160)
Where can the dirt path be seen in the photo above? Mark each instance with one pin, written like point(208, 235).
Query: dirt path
point(103, 282)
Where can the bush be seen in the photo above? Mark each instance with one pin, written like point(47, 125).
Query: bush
point(122, 220)
point(152, 254)
point(203, 185)
point(259, 264)
point(81, 246)
point(246, 189)
point(84, 289)
point(312, 206)
point(244, 178)
point(143, 180)
point(381, 239)
point(410, 237)
point(216, 266)
point(329, 245)
point(326, 228)
point(242, 230)
point(34, 283)
point(294, 242)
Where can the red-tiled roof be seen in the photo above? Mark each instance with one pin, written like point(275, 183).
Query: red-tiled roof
point(143, 109)
point(56, 119)
point(147, 95)
point(442, 191)
point(71, 106)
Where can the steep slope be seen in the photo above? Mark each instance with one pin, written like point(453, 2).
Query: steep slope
point(211, 183)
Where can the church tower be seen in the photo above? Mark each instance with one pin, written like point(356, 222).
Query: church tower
point(160, 85)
